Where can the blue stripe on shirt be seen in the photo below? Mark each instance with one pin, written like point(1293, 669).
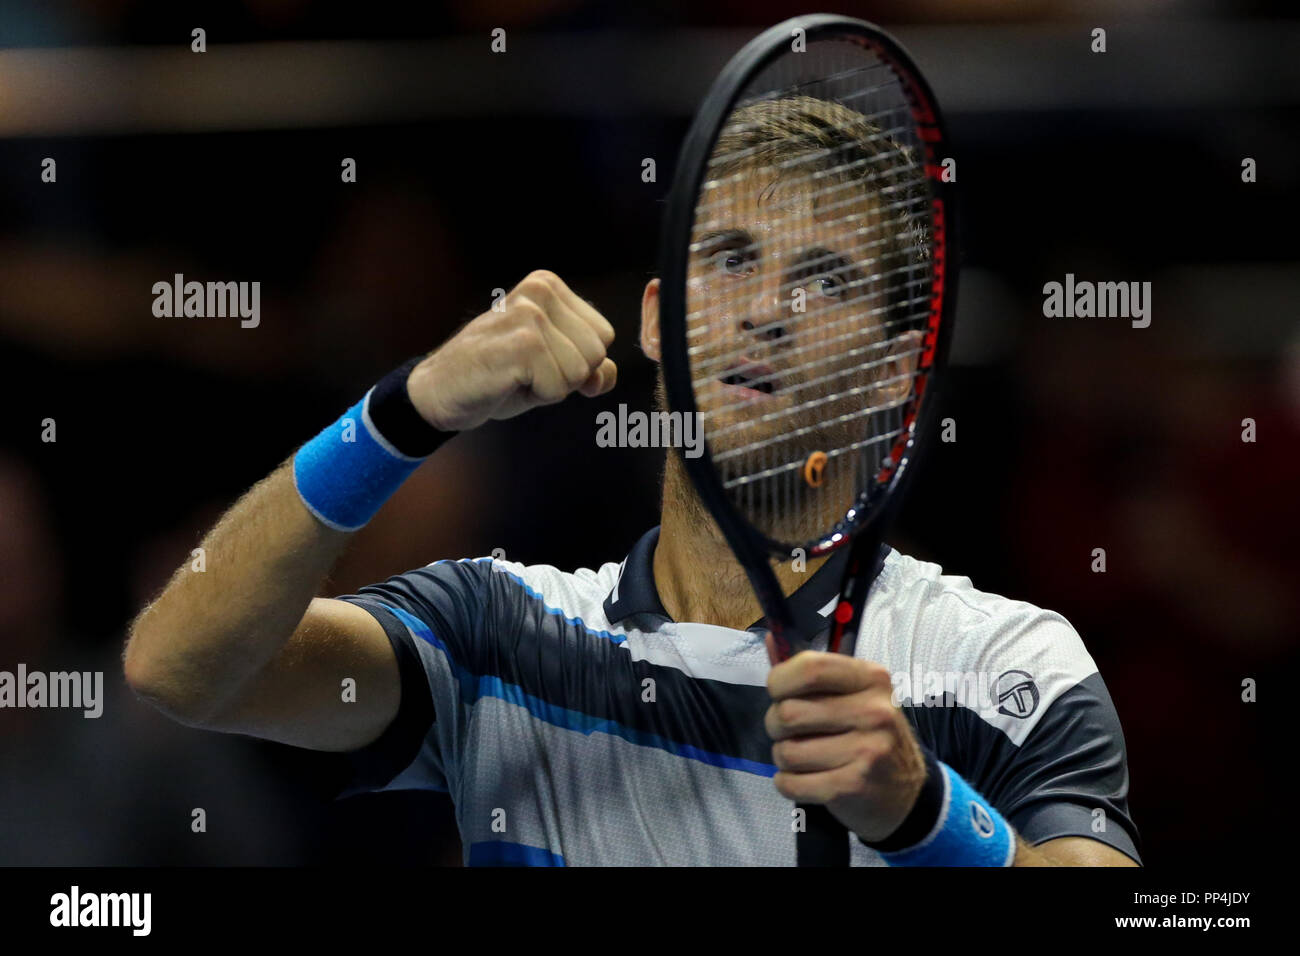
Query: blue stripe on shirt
point(474, 687)
point(498, 853)
point(537, 596)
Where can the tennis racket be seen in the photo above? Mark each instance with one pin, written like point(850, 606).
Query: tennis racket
point(806, 302)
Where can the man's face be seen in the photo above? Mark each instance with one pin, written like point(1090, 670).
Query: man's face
point(786, 326)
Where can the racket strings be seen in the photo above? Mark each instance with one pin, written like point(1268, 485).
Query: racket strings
point(741, 161)
point(790, 466)
point(802, 410)
point(808, 269)
point(813, 181)
point(711, 212)
point(891, 354)
point(849, 75)
point(800, 431)
point(789, 390)
point(706, 360)
point(846, 354)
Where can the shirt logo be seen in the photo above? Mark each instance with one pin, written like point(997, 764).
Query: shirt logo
point(1017, 694)
point(980, 820)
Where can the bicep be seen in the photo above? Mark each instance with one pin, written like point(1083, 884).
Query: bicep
point(334, 686)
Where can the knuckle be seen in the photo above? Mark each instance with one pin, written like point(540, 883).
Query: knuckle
point(528, 309)
point(875, 673)
point(540, 284)
point(535, 292)
point(787, 712)
point(524, 342)
point(574, 367)
point(550, 391)
point(526, 338)
point(772, 722)
point(780, 754)
point(866, 754)
point(877, 713)
point(816, 666)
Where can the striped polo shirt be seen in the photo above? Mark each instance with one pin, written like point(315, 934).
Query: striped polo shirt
point(573, 722)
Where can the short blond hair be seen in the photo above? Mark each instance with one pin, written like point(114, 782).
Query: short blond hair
point(794, 136)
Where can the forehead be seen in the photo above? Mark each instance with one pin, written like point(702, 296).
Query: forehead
point(789, 209)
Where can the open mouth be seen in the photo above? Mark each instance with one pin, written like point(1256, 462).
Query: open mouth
point(752, 379)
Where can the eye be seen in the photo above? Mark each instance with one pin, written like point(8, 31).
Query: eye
point(830, 286)
point(734, 262)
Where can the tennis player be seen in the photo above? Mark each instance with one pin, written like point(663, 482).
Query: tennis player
point(631, 714)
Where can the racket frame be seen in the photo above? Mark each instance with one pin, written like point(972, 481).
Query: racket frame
point(825, 841)
point(869, 513)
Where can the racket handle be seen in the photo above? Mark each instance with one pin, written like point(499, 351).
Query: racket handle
point(825, 842)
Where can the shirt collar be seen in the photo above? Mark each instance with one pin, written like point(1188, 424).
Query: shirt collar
point(634, 592)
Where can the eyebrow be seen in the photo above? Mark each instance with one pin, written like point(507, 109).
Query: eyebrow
point(711, 242)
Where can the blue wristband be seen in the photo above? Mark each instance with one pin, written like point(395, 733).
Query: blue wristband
point(968, 832)
point(346, 473)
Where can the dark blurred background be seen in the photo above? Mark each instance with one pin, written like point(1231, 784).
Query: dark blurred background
point(475, 168)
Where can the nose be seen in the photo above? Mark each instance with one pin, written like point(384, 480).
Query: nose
point(765, 308)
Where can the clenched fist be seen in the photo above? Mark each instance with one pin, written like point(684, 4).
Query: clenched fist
point(545, 344)
point(839, 740)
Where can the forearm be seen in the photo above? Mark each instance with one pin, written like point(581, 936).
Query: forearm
point(211, 630)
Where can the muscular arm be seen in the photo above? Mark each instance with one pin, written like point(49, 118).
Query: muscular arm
point(245, 646)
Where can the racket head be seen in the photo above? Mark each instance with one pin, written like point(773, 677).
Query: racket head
point(814, 168)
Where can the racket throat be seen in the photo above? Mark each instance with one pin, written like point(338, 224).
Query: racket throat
point(846, 617)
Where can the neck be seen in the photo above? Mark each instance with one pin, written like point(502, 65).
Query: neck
point(696, 575)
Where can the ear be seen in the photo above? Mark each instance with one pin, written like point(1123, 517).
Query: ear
point(904, 354)
point(650, 320)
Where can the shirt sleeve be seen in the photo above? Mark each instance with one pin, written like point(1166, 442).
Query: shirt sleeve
point(432, 616)
point(1070, 776)
point(1046, 748)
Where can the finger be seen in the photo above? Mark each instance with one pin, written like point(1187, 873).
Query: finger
point(546, 382)
point(578, 331)
point(586, 311)
point(546, 288)
point(815, 672)
point(544, 291)
point(866, 710)
point(815, 754)
point(801, 716)
point(601, 380)
point(556, 368)
point(819, 787)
